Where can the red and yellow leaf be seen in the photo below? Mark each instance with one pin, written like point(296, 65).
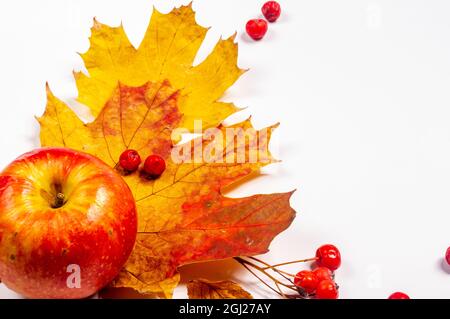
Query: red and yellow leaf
point(140, 96)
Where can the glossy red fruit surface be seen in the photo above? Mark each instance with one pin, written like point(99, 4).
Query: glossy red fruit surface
point(323, 273)
point(67, 224)
point(154, 166)
point(327, 289)
point(271, 11)
point(399, 295)
point(328, 256)
point(306, 280)
point(256, 28)
point(130, 160)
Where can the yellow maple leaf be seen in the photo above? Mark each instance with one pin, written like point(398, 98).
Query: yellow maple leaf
point(183, 217)
point(167, 52)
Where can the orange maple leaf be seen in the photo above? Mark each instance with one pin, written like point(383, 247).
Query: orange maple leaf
point(145, 96)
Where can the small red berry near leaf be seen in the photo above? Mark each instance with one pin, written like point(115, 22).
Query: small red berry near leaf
point(323, 273)
point(399, 295)
point(256, 28)
point(271, 11)
point(447, 256)
point(306, 280)
point(328, 256)
point(327, 289)
point(130, 160)
point(154, 166)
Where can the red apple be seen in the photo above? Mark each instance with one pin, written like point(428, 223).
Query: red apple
point(67, 224)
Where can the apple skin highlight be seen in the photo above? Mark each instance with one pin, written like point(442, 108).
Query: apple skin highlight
point(44, 235)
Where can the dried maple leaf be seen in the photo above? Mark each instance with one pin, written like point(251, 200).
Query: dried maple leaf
point(203, 289)
point(183, 218)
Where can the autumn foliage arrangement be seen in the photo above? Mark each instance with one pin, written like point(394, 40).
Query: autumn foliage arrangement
point(152, 212)
point(136, 213)
point(138, 97)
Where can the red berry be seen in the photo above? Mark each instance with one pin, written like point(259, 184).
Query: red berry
point(398, 295)
point(154, 166)
point(271, 11)
point(307, 280)
point(447, 255)
point(328, 256)
point(130, 160)
point(323, 273)
point(327, 289)
point(256, 28)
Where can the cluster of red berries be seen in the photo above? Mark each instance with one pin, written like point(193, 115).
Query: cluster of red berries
point(257, 28)
point(154, 165)
point(307, 284)
point(319, 283)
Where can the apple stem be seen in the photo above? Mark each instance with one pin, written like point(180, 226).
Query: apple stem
point(59, 200)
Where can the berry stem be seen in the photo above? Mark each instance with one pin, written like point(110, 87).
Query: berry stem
point(261, 280)
point(292, 262)
point(275, 280)
point(268, 266)
point(281, 291)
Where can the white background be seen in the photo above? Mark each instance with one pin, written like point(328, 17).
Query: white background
point(361, 89)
